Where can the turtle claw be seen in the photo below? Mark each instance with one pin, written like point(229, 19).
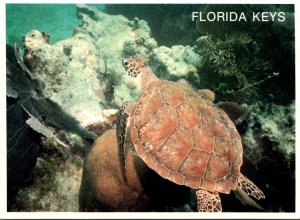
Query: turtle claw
point(121, 135)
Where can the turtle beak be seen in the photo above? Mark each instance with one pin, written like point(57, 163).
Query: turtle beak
point(125, 62)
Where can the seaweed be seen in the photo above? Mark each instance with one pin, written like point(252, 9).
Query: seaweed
point(39, 127)
point(235, 62)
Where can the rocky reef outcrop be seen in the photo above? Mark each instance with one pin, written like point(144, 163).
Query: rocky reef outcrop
point(83, 70)
point(86, 69)
point(170, 24)
point(269, 145)
point(177, 62)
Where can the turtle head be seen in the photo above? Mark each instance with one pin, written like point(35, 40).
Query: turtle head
point(133, 66)
point(138, 71)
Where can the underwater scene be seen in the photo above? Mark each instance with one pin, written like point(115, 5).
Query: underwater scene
point(150, 108)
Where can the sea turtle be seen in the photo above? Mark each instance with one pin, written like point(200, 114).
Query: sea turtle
point(182, 135)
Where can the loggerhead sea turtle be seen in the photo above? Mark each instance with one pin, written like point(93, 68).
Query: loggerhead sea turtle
point(182, 135)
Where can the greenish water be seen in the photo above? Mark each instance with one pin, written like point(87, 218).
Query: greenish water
point(56, 19)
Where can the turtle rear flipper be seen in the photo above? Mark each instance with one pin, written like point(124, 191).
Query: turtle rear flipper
point(122, 119)
point(247, 188)
point(250, 188)
point(208, 201)
point(245, 198)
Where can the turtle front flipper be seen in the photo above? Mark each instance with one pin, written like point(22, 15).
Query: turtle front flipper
point(206, 92)
point(185, 82)
point(122, 119)
point(208, 201)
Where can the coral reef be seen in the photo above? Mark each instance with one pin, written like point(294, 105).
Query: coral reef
point(55, 186)
point(29, 109)
point(69, 92)
point(273, 123)
point(28, 90)
point(268, 136)
point(177, 62)
point(114, 37)
point(63, 73)
point(75, 70)
point(57, 174)
point(30, 115)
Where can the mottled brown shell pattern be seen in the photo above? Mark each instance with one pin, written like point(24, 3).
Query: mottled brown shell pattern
point(185, 137)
